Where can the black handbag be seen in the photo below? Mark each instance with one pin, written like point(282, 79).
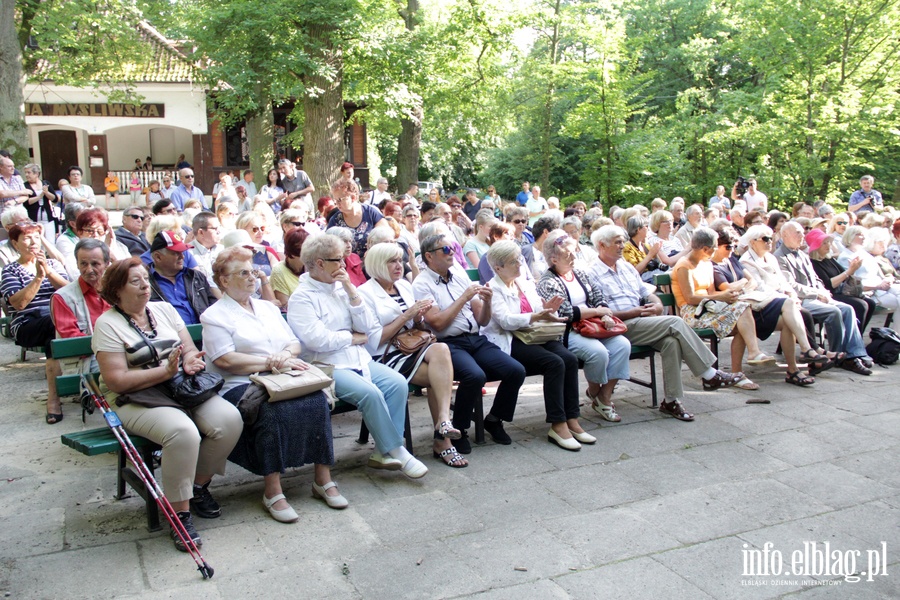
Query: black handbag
point(188, 391)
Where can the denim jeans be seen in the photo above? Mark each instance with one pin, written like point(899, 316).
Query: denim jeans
point(381, 400)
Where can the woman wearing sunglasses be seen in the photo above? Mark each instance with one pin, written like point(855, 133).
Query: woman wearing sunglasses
point(774, 296)
point(255, 225)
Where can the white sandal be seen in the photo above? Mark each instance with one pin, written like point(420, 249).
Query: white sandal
point(761, 359)
point(746, 384)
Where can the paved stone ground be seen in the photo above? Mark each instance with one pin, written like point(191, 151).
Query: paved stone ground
point(656, 509)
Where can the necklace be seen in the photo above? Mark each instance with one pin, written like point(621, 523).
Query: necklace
point(570, 276)
point(150, 321)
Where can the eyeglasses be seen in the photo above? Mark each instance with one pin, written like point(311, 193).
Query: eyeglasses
point(136, 217)
point(807, 229)
point(728, 246)
point(766, 239)
point(445, 249)
point(258, 229)
point(842, 222)
point(94, 231)
point(561, 240)
point(245, 274)
point(411, 215)
point(297, 223)
point(187, 176)
point(520, 221)
point(211, 228)
point(335, 260)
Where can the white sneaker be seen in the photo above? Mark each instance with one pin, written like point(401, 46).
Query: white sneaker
point(414, 468)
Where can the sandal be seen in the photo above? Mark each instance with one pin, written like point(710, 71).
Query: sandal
point(53, 418)
point(675, 409)
point(761, 359)
point(608, 413)
point(797, 378)
point(721, 379)
point(455, 460)
point(746, 384)
point(446, 430)
point(816, 368)
point(811, 356)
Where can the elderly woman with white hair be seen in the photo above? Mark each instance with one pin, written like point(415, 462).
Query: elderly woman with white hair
point(662, 224)
point(775, 293)
point(515, 305)
point(333, 324)
point(264, 256)
point(885, 290)
point(642, 256)
point(390, 298)
point(352, 260)
point(585, 255)
point(605, 361)
point(703, 307)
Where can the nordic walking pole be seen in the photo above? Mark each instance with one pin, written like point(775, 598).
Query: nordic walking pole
point(146, 475)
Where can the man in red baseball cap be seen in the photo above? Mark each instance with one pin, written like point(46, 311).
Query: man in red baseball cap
point(187, 290)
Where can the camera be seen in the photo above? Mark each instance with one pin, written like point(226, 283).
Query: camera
point(655, 265)
point(742, 185)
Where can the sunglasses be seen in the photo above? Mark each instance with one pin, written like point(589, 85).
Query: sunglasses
point(841, 222)
point(445, 249)
point(187, 176)
point(766, 239)
point(520, 221)
point(258, 229)
point(728, 246)
point(137, 217)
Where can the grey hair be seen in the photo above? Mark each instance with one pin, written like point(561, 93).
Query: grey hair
point(875, 235)
point(573, 220)
point(381, 180)
point(867, 178)
point(380, 235)
point(756, 232)
point(319, 246)
point(502, 252)
point(825, 210)
point(607, 234)
point(291, 214)
point(72, 210)
point(32, 168)
point(341, 233)
point(616, 214)
point(633, 225)
point(737, 211)
point(551, 248)
point(704, 237)
point(851, 232)
point(92, 244)
point(433, 228)
point(15, 214)
point(431, 242)
point(516, 211)
point(377, 258)
point(285, 161)
point(693, 209)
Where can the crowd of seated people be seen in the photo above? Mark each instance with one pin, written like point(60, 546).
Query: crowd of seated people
point(277, 286)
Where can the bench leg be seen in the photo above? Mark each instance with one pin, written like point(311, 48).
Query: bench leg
point(653, 392)
point(714, 348)
point(151, 508)
point(363, 434)
point(120, 475)
point(479, 419)
point(407, 432)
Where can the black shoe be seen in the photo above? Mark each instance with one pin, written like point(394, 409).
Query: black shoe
point(188, 522)
point(495, 428)
point(856, 365)
point(463, 445)
point(204, 504)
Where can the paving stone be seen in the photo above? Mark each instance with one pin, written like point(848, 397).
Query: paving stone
point(887, 423)
point(667, 473)
point(594, 486)
point(757, 418)
point(612, 534)
point(880, 465)
point(734, 460)
point(850, 438)
point(834, 486)
point(542, 589)
point(32, 532)
point(640, 577)
point(425, 517)
point(766, 500)
point(795, 447)
point(308, 578)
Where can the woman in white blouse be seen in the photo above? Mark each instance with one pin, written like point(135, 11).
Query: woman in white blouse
point(516, 304)
point(242, 336)
point(390, 298)
point(328, 316)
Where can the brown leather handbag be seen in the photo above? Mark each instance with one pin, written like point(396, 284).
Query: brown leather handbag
point(594, 328)
point(410, 341)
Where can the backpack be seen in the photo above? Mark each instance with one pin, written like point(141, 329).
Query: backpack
point(885, 346)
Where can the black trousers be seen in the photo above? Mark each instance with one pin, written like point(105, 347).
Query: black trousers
point(560, 370)
point(475, 361)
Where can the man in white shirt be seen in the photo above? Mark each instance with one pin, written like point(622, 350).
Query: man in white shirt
point(460, 308)
point(752, 197)
point(536, 206)
point(247, 183)
point(380, 193)
point(206, 246)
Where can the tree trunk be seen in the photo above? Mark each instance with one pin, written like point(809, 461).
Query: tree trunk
point(261, 137)
point(13, 132)
point(410, 140)
point(408, 151)
point(547, 125)
point(323, 123)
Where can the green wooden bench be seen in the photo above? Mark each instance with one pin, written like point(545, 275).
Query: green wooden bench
point(668, 301)
point(93, 442)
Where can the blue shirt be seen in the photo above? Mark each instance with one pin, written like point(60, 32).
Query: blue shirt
point(189, 261)
point(523, 197)
point(182, 195)
point(176, 295)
